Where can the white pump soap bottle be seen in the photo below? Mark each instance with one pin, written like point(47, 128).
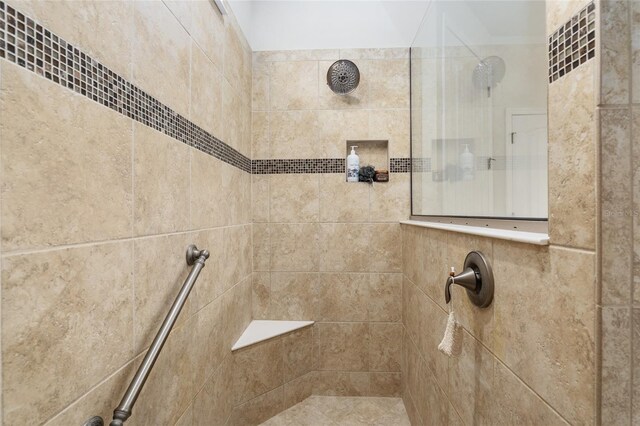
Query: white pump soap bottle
point(353, 165)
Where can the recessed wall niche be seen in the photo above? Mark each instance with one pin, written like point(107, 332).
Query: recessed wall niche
point(371, 152)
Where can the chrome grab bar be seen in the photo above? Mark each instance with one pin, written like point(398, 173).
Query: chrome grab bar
point(196, 258)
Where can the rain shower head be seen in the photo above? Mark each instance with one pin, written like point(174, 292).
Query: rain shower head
point(343, 77)
point(489, 72)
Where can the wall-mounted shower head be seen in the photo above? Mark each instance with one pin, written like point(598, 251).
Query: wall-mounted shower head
point(343, 77)
point(488, 73)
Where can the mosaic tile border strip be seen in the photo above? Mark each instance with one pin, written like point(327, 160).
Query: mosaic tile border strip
point(573, 44)
point(27, 44)
point(316, 165)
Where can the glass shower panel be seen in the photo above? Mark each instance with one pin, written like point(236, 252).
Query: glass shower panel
point(478, 92)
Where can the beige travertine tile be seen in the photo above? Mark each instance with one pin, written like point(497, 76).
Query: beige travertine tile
point(345, 247)
point(343, 346)
point(385, 297)
point(454, 417)
point(330, 100)
point(232, 115)
point(210, 284)
point(392, 125)
point(616, 205)
point(64, 313)
point(245, 123)
point(342, 201)
point(293, 295)
point(166, 76)
point(554, 291)
point(513, 403)
point(634, 12)
point(341, 383)
point(572, 159)
point(293, 85)
point(614, 52)
point(425, 390)
point(260, 195)
point(261, 295)
point(294, 134)
point(412, 412)
point(388, 83)
point(420, 314)
point(385, 346)
point(236, 311)
point(100, 401)
point(187, 417)
point(207, 30)
point(391, 201)
point(211, 202)
point(101, 29)
point(240, 204)
point(206, 91)
point(342, 297)
point(635, 170)
point(471, 382)
point(161, 182)
point(295, 55)
point(299, 389)
point(77, 153)
point(257, 369)
point(261, 246)
point(616, 361)
point(258, 409)
point(294, 247)
point(260, 86)
point(374, 53)
point(433, 245)
point(233, 53)
point(260, 145)
point(207, 346)
point(237, 255)
point(157, 284)
point(385, 384)
point(413, 257)
point(385, 251)
point(294, 198)
point(337, 127)
point(635, 397)
point(297, 354)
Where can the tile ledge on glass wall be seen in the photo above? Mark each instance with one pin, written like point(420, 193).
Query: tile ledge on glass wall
point(538, 238)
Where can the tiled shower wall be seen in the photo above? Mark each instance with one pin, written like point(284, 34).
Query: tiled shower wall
point(619, 120)
point(98, 208)
point(530, 358)
point(324, 249)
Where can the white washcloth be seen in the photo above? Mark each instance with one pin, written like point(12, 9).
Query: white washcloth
point(451, 344)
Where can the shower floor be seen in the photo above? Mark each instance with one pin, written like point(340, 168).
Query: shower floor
point(341, 410)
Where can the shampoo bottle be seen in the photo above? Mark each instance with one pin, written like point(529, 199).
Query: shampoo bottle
point(466, 163)
point(353, 165)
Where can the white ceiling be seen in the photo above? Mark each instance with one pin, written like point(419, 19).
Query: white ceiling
point(336, 24)
point(328, 24)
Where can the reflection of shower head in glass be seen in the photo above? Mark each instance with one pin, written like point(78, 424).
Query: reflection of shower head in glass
point(488, 73)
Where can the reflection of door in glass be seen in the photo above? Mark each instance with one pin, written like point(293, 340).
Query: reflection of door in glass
point(527, 163)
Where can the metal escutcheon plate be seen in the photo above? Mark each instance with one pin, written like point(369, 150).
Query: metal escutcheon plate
point(483, 296)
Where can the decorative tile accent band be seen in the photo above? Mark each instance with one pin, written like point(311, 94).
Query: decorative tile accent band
point(31, 46)
point(573, 44)
point(315, 165)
